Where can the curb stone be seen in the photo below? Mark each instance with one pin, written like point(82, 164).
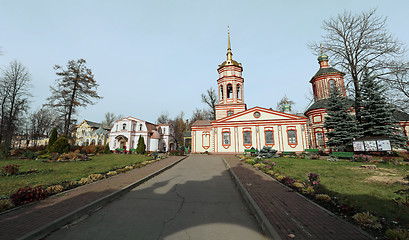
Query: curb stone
point(90, 208)
point(258, 213)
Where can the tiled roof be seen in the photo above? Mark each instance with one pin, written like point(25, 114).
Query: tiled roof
point(202, 123)
point(327, 71)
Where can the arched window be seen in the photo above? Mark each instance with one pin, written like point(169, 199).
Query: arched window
point(229, 91)
point(124, 126)
point(238, 91)
point(332, 85)
point(221, 92)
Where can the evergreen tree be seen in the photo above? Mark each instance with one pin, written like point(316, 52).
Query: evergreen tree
point(377, 115)
point(60, 146)
point(106, 149)
point(340, 123)
point(140, 149)
point(53, 138)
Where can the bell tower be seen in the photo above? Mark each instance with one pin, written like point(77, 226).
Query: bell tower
point(325, 79)
point(230, 86)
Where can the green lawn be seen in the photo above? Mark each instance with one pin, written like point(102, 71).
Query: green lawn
point(369, 190)
point(57, 172)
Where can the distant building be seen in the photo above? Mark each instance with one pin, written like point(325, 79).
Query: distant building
point(90, 133)
point(125, 134)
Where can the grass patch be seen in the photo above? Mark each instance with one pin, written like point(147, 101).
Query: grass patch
point(51, 173)
point(369, 190)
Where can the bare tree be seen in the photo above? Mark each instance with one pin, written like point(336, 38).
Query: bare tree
point(74, 89)
point(110, 118)
point(210, 98)
point(199, 114)
point(179, 128)
point(41, 123)
point(14, 94)
point(357, 42)
point(164, 118)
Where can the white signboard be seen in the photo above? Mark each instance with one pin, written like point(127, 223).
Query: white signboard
point(370, 146)
point(359, 146)
point(384, 145)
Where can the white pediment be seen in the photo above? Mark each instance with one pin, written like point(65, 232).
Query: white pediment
point(259, 114)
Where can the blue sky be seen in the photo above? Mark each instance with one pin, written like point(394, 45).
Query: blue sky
point(150, 57)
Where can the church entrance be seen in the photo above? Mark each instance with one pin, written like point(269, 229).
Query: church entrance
point(121, 141)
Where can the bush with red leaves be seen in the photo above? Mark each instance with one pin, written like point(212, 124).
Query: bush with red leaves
point(28, 194)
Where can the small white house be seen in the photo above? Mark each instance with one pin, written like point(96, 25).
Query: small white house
point(125, 134)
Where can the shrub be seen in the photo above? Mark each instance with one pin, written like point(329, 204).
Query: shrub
point(5, 204)
point(313, 179)
point(29, 154)
point(53, 138)
point(121, 170)
point(315, 156)
point(106, 149)
point(267, 152)
point(280, 178)
point(9, 170)
point(84, 181)
point(28, 194)
point(389, 160)
point(397, 234)
point(309, 190)
point(54, 189)
point(60, 146)
point(176, 152)
point(140, 149)
point(88, 149)
point(111, 173)
point(271, 173)
point(70, 184)
point(96, 177)
point(366, 219)
point(298, 185)
point(259, 166)
point(323, 197)
point(129, 168)
point(155, 154)
point(250, 161)
point(288, 181)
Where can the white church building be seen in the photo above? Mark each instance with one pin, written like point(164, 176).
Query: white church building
point(237, 128)
point(125, 134)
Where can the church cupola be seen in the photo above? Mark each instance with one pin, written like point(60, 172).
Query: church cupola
point(230, 86)
point(286, 106)
point(326, 79)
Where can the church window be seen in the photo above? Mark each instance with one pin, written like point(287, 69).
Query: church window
point(229, 113)
point(331, 85)
point(99, 142)
point(238, 91)
point(319, 137)
point(226, 138)
point(229, 90)
point(140, 127)
point(124, 126)
point(247, 137)
point(221, 92)
point(292, 137)
point(269, 137)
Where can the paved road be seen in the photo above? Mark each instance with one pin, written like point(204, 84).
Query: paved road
point(196, 199)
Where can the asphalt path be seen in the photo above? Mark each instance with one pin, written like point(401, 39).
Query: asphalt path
point(196, 199)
